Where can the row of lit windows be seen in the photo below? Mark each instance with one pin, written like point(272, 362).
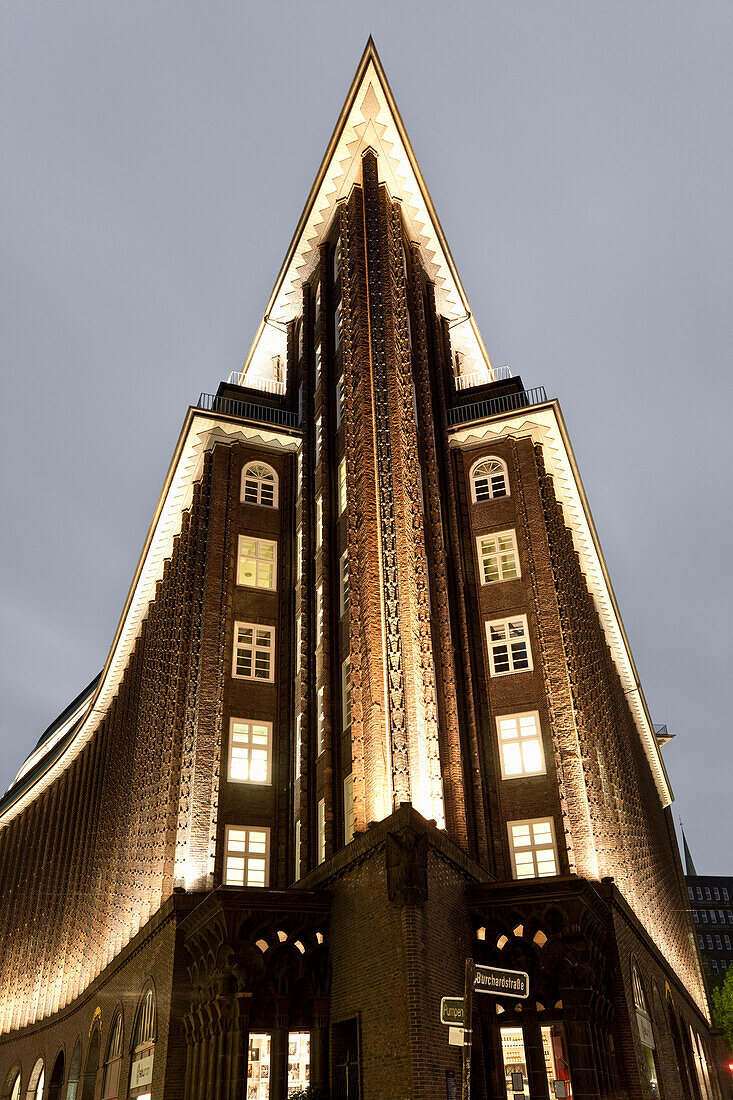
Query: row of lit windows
point(716, 893)
point(721, 942)
point(719, 916)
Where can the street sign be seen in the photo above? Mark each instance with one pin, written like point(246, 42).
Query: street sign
point(502, 983)
point(451, 1011)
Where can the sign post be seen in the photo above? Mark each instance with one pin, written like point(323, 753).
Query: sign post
point(480, 979)
point(467, 1031)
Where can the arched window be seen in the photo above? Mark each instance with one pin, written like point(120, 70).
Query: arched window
point(72, 1084)
point(259, 485)
point(36, 1082)
point(489, 479)
point(14, 1092)
point(143, 1046)
point(646, 1031)
point(113, 1061)
point(337, 259)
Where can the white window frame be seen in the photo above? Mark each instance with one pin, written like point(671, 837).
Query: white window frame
point(299, 472)
point(319, 521)
point(492, 494)
point(298, 642)
point(298, 743)
point(346, 693)
point(319, 615)
point(317, 301)
point(533, 847)
point(520, 723)
point(318, 365)
point(258, 558)
point(349, 823)
point(269, 649)
point(319, 438)
point(343, 584)
point(320, 721)
point(342, 486)
point(299, 553)
point(260, 481)
point(321, 825)
point(296, 850)
point(338, 324)
point(245, 855)
point(492, 645)
point(501, 558)
point(340, 401)
point(248, 745)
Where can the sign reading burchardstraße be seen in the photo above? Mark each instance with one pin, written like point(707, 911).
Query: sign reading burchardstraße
point(502, 983)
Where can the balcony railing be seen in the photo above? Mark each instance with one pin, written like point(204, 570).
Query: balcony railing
point(479, 410)
point(282, 418)
point(481, 377)
point(267, 385)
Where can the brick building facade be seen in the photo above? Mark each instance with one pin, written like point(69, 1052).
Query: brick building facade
point(370, 710)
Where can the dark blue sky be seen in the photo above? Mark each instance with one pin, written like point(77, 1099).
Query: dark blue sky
point(155, 161)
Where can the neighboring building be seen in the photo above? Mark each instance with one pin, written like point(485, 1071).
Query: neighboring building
point(711, 901)
point(370, 710)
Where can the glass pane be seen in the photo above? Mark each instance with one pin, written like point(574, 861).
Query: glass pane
point(299, 1060)
point(258, 1067)
point(515, 1062)
point(556, 1066)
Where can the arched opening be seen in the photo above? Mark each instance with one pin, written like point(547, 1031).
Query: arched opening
point(646, 1030)
point(11, 1085)
point(259, 485)
point(37, 1081)
point(143, 1045)
point(489, 479)
point(113, 1061)
point(91, 1066)
point(57, 1078)
point(72, 1084)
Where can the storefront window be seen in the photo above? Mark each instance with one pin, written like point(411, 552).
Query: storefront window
point(515, 1063)
point(556, 1065)
point(258, 1068)
point(299, 1061)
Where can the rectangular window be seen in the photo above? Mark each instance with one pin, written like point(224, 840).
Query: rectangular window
point(299, 554)
point(721, 916)
point(258, 1068)
point(707, 894)
point(319, 521)
point(342, 486)
point(247, 856)
point(340, 401)
point(299, 476)
point(714, 964)
point(296, 853)
point(321, 716)
point(701, 941)
point(346, 692)
point(690, 893)
point(344, 584)
point(319, 361)
point(348, 808)
point(509, 649)
point(298, 641)
point(718, 943)
point(725, 894)
point(699, 894)
point(338, 325)
point(695, 916)
point(298, 743)
point(254, 652)
point(709, 942)
point(319, 437)
point(299, 1062)
point(533, 850)
point(319, 615)
point(730, 915)
point(704, 915)
point(726, 941)
point(256, 562)
point(498, 557)
point(716, 893)
point(520, 744)
point(321, 830)
point(250, 751)
point(713, 917)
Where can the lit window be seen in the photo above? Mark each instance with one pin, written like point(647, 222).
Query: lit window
point(299, 473)
point(296, 854)
point(36, 1082)
point(319, 521)
point(298, 743)
point(321, 830)
point(298, 641)
point(299, 1062)
point(301, 332)
point(342, 486)
point(143, 1048)
point(319, 615)
point(338, 324)
point(710, 942)
point(258, 1066)
point(247, 856)
point(533, 850)
point(520, 745)
point(299, 554)
point(317, 300)
point(509, 649)
point(344, 584)
point(319, 438)
point(250, 751)
point(346, 692)
point(321, 720)
point(259, 485)
point(489, 480)
point(498, 557)
point(15, 1088)
point(254, 652)
point(113, 1061)
point(348, 808)
point(340, 400)
point(319, 365)
point(337, 259)
point(256, 562)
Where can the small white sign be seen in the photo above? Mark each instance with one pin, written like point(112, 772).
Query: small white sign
point(142, 1072)
point(645, 1029)
point(455, 1036)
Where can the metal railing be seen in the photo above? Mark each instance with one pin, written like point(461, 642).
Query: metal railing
point(479, 410)
point(283, 418)
point(481, 377)
point(253, 382)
